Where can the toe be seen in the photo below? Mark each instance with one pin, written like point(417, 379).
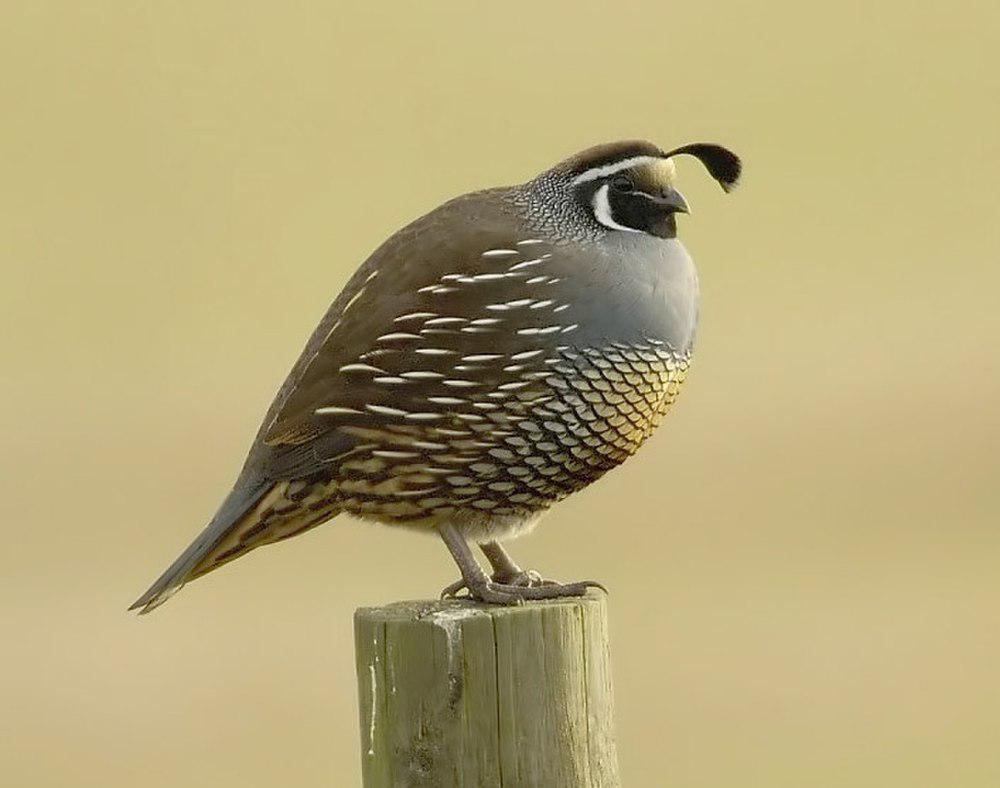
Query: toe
point(492, 593)
point(527, 578)
point(449, 592)
point(559, 590)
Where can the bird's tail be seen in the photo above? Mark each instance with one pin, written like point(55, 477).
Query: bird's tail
point(250, 516)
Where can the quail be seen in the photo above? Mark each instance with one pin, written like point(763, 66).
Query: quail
point(496, 355)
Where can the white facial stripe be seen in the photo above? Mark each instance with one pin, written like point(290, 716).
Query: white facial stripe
point(611, 169)
point(602, 211)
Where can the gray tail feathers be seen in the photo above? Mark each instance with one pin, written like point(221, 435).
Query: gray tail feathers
point(237, 505)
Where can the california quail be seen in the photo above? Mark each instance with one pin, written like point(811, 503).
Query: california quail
point(501, 352)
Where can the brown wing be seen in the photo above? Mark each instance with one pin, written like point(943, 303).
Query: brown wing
point(455, 305)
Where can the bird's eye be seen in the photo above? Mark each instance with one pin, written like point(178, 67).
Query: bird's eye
point(622, 183)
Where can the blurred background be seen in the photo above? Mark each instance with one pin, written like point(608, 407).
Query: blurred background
point(802, 562)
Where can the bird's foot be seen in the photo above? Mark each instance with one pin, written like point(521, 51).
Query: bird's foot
point(515, 589)
point(522, 578)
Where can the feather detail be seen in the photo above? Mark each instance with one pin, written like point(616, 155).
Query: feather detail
point(247, 519)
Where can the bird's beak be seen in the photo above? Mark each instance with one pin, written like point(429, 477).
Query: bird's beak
point(673, 199)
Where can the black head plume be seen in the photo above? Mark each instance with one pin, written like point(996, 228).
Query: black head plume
point(721, 163)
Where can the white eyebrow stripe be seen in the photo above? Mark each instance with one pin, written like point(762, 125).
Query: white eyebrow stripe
point(610, 169)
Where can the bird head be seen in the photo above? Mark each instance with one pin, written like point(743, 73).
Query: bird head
point(629, 186)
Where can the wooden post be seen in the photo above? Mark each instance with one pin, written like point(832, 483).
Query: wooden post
point(455, 693)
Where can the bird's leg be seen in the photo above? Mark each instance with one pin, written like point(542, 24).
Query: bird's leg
point(506, 571)
point(494, 590)
point(508, 574)
point(474, 579)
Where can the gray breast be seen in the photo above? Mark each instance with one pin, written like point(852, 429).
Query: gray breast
point(633, 287)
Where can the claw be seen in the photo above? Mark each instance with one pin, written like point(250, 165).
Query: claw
point(451, 591)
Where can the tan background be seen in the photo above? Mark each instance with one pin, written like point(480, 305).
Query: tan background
point(803, 563)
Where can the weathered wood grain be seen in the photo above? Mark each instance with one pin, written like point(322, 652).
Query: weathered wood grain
point(453, 693)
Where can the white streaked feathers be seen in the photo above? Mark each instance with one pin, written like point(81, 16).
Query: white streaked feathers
point(335, 410)
point(521, 268)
